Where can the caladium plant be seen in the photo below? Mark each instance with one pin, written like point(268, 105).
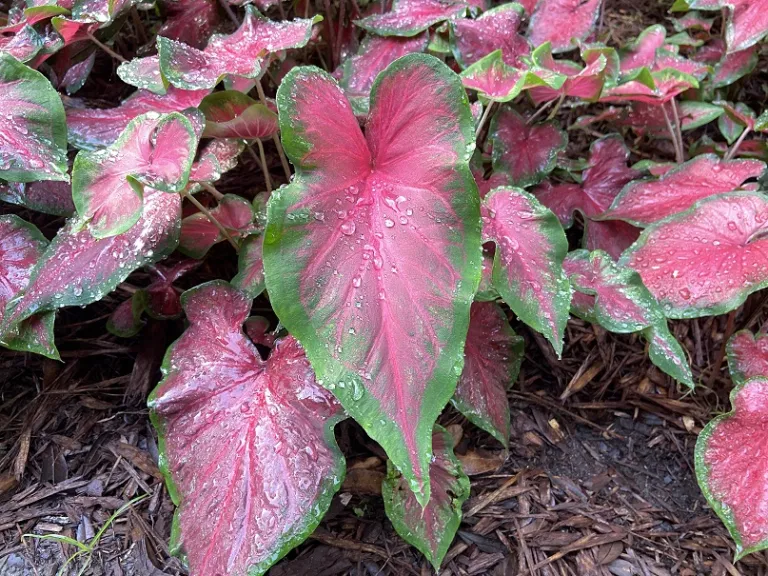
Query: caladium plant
point(402, 259)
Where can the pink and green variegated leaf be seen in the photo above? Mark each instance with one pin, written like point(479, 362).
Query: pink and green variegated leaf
point(747, 356)
point(692, 21)
point(410, 17)
point(24, 45)
point(485, 291)
point(619, 302)
point(497, 81)
point(585, 82)
point(657, 87)
point(492, 357)
point(708, 259)
point(144, 73)
point(33, 130)
point(162, 297)
point(642, 52)
point(611, 236)
point(232, 114)
point(190, 21)
point(77, 269)
point(432, 528)
point(747, 23)
point(77, 75)
point(649, 118)
point(644, 202)
point(524, 153)
point(371, 226)
point(35, 335)
point(257, 329)
point(199, 234)
point(102, 11)
point(731, 466)
point(528, 265)
point(126, 320)
point(108, 184)
point(733, 66)
point(493, 30)
point(562, 22)
point(261, 430)
point(250, 267)
point(241, 53)
point(21, 245)
point(373, 56)
point(737, 117)
point(49, 197)
point(606, 174)
point(90, 128)
point(218, 157)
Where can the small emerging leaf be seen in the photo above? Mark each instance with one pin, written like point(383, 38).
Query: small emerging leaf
point(232, 114)
point(250, 267)
point(199, 233)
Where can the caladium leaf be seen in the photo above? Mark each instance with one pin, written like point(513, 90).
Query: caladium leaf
point(345, 248)
point(706, 260)
point(692, 21)
point(162, 297)
point(126, 320)
point(257, 329)
point(232, 114)
point(648, 118)
point(585, 82)
point(199, 234)
point(611, 236)
point(410, 17)
point(35, 335)
point(497, 81)
point(563, 21)
point(77, 269)
point(261, 430)
point(430, 529)
point(646, 201)
point(747, 23)
point(495, 29)
point(485, 291)
point(528, 265)
point(524, 153)
point(492, 357)
point(144, 73)
point(736, 118)
point(733, 66)
point(241, 53)
point(190, 21)
point(642, 52)
point(24, 45)
point(375, 53)
point(90, 128)
point(102, 11)
point(77, 75)
point(250, 267)
point(747, 356)
point(49, 197)
point(33, 130)
point(731, 469)
point(618, 301)
point(108, 184)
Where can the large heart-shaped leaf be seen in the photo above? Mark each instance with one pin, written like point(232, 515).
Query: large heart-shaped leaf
point(247, 445)
point(747, 23)
point(528, 265)
point(108, 184)
point(33, 130)
point(731, 466)
point(496, 80)
point(524, 153)
point(232, 114)
point(241, 53)
point(91, 128)
point(49, 197)
point(493, 30)
point(77, 269)
point(373, 56)
point(492, 357)
point(708, 259)
point(372, 252)
point(190, 21)
point(747, 356)
point(646, 201)
point(641, 53)
point(615, 298)
point(563, 21)
point(432, 528)
point(606, 174)
point(410, 17)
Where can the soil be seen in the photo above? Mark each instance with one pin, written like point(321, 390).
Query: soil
point(599, 478)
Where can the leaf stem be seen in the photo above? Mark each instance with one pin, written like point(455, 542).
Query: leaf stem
point(678, 128)
point(557, 107)
point(735, 148)
point(673, 135)
point(229, 11)
point(262, 161)
point(106, 48)
point(331, 33)
point(212, 218)
point(275, 137)
point(543, 108)
point(212, 191)
point(484, 119)
point(729, 329)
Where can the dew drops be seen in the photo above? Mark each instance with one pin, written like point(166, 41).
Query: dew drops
point(348, 228)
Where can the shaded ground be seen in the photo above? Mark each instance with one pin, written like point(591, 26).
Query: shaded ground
point(599, 479)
